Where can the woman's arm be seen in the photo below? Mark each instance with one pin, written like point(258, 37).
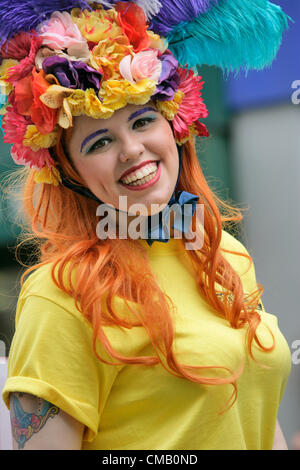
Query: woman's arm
point(279, 440)
point(39, 425)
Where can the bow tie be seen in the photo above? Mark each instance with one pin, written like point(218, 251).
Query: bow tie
point(184, 206)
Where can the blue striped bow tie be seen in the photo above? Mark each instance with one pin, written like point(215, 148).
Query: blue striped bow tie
point(183, 206)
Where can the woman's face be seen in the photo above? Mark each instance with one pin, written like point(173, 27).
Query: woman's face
point(131, 154)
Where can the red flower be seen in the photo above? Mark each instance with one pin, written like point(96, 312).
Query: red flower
point(201, 129)
point(17, 47)
point(192, 106)
point(27, 98)
point(133, 21)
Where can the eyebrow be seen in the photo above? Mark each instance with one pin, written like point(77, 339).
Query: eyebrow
point(141, 111)
point(102, 131)
point(91, 136)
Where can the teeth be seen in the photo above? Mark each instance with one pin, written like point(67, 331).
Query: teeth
point(141, 175)
point(143, 180)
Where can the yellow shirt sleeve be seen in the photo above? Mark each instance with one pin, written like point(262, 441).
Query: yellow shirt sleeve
point(51, 357)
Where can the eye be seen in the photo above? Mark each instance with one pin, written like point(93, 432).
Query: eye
point(101, 143)
point(143, 122)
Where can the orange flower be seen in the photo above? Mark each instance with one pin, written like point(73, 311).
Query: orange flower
point(43, 117)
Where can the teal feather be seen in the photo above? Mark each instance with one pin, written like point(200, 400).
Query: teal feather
point(234, 35)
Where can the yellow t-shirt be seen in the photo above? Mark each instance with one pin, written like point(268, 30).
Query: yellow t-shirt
point(144, 407)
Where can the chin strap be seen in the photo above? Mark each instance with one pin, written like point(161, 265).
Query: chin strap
point(182, 203)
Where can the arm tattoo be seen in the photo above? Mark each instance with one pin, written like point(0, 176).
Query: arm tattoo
point(24, 423)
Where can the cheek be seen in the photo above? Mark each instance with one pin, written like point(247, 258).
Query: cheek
point(164, 142)
point(93, 171)
point(169, 152)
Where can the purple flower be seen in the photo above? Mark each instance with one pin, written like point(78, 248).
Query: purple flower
point(72, 74)
point(169, 80)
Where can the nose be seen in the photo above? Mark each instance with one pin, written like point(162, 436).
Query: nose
point(130, 148)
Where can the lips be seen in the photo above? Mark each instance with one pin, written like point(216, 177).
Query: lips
point(134, 168)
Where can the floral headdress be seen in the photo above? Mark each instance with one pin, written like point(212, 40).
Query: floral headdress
point(62, 59)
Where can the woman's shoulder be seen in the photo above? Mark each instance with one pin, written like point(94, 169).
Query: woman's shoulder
point(231, 242)
point(240, 259)
point(40, 284)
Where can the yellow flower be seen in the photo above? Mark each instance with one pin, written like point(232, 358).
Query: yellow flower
point(76, 102)
point(55, 95)
point(36, 141)
point(94, 108)
point(169, 109)
point(56, 98)
point(80, 102)
point(6, 87)
point(113, 94)
point(140, 92)
point(108, 55)
point(118, 93)
point(47, 175)
point(97, 25)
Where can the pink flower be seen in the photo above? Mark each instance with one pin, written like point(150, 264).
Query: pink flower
point(144, 64)
point(192, 106)
point(26, 156)
point(60, 32)
point(14, 126)
point(25, 67)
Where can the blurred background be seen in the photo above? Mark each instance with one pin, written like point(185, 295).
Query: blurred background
point(252, 159)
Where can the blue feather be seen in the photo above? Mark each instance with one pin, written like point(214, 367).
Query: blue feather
point(25, 15)
point(234, 35)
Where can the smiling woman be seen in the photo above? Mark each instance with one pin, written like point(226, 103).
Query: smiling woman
point(135, 142)
point(126, 342)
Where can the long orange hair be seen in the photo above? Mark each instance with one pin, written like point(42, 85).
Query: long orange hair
point(64, 223)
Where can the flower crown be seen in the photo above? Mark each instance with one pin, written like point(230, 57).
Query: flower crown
point(90, 62)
